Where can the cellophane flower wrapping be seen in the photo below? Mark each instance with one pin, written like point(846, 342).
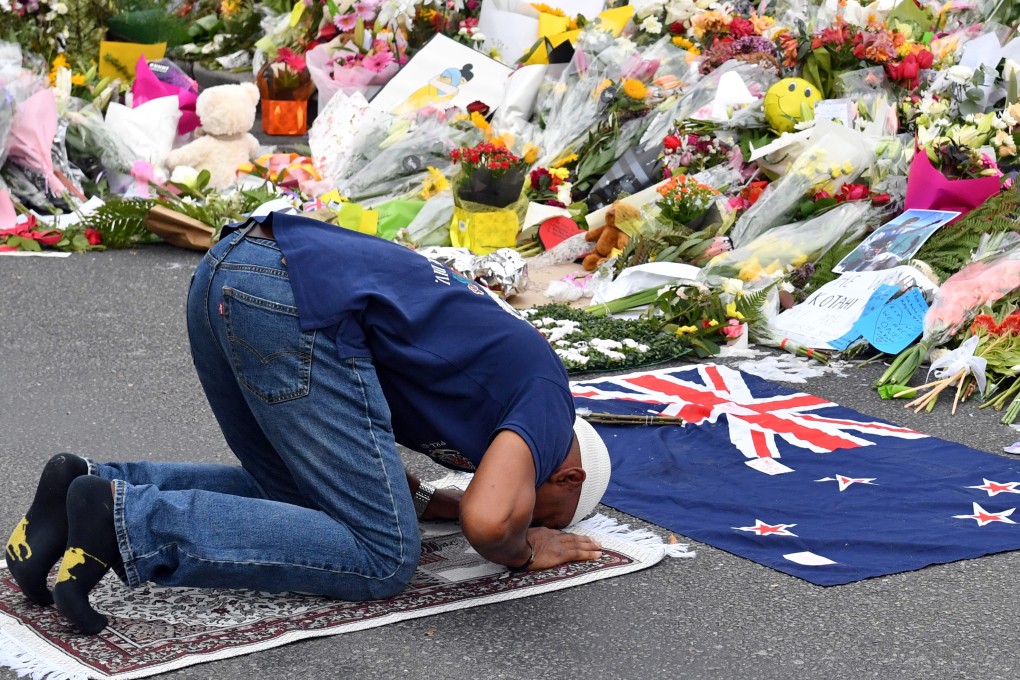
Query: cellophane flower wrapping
point(6, 120)
point(695, 101)
point(396, 165)
point(92, 144)
point(581, 93)
point(781, 249)
point(835, 156)
point(330, 76)
point(994, 274)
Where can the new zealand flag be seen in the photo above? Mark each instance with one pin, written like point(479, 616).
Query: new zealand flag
point(795, 482)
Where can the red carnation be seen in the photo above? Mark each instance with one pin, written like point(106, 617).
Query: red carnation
point(671, 142)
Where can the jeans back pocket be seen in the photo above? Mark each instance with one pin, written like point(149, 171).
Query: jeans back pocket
point(272, 356)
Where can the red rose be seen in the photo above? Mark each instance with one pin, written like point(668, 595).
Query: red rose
point(880, 199)
point(821, 195)
point(93, 236)
point(478, 107)
point(47, 238)
point(671, 142)
point(676, 28)
point(853, 192)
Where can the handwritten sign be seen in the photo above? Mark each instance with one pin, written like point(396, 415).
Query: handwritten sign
point(839, 110)
point(895, 325)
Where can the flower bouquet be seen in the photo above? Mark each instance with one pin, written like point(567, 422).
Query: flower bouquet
point(785, 248)
point(994, 273)
point(358, 59)
point(489, 200)
point(835, 156)
point(705, 317)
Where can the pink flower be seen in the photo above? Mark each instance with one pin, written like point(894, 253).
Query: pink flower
point(366, 10)
point(378, 61)
point(733, 329)
point(346, 22)
point(142, 171)
point(295, 62)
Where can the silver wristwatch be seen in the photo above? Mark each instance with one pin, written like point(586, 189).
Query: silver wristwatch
point(422, 497)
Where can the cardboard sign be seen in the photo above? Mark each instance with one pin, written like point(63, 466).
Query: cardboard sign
point(555, 230)
point(893, 326)
point(442, 74)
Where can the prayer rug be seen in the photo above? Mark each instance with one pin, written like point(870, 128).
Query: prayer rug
point(155, 630)
point(796, 482)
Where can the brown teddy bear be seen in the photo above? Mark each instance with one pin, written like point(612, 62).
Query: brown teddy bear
point(609, 237)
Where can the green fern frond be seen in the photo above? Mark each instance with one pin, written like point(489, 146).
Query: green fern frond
point(122, 222)
point(950, 248)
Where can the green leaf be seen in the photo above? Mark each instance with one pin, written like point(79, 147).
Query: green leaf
point(24, 243)
point(79, 242)
point(202, 181)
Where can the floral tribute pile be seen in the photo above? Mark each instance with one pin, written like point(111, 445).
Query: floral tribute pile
point(756, 145)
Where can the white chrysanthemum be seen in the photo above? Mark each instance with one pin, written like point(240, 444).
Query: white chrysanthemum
point(571, 356)
point(651, 25)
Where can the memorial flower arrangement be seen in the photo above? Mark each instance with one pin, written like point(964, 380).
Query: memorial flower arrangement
point(31, 234)
point(489, 174)
point(684, 200)
point(585, 342)
point(993, 274)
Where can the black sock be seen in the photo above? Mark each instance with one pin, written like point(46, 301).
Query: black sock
point(91, 552)
point(39, 539)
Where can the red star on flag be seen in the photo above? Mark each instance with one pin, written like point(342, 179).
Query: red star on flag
point(845, 481)
point(763, 529)
point(997, 487)
point(984, 517)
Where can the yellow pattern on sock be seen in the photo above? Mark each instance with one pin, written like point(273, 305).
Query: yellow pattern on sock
point(74, 557)
point(17, 546)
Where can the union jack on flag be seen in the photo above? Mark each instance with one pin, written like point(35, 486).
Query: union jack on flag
point(794, 481)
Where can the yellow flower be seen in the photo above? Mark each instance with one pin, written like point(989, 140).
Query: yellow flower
point(546, 9)
point(434, 183)
point(561, 173)
point(685, 44)
point(731, 312)
point(634, 89)
point(686, 330)
point(564, 160)
point(606, 82)
point(530, 153)
point(229, 7)
point(478, 120)
point(59, 61)
point(78, 79)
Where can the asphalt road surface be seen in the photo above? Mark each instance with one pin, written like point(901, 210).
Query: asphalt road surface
point(94, 360)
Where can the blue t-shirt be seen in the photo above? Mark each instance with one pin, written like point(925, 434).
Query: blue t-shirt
point(455, 367)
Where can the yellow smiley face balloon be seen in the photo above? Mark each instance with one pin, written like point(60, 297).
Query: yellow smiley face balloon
point(787, 101)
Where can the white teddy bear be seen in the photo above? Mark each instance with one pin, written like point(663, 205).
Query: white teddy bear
point(227, 113)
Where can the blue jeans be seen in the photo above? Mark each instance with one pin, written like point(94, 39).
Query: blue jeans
point(319, 503)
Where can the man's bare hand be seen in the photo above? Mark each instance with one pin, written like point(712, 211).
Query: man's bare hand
point(445, 504)
point(553, 548)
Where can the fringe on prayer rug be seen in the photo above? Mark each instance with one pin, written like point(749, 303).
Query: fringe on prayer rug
point(155, 629)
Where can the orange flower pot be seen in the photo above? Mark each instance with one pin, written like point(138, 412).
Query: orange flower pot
point(285, 116)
